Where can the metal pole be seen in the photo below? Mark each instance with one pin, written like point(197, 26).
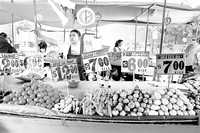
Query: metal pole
point(12, 17)
point(64, 27)
point(136, 17)
point(163, 25)
point(35, 19)
point(147, 30)
point(135, 35)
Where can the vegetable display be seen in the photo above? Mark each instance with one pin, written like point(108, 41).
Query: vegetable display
point(36, 94)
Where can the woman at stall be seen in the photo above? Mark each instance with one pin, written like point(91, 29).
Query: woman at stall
point(116, 70)
point(75, 51)
point(118, 45)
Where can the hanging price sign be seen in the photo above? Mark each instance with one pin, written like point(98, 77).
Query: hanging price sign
point(65, 70)
point(115, 58)
point(170, 63)
point(135, 61)
point(11, 63)
point(96, 61)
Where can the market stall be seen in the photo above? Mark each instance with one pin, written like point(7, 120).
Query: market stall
point(75, 92)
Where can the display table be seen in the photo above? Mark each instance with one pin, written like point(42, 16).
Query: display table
point(18, 124)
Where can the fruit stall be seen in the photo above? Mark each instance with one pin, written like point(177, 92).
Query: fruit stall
point(121, 92)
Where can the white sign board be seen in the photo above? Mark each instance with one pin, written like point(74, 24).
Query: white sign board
point(170, 63)
point(135, 61)
point(96, 61)
point(65, 70)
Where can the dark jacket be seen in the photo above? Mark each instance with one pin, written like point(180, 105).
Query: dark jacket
point(5, 47)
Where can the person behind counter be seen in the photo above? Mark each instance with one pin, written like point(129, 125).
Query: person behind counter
point(75, 51)
point(118, 45)
point(5, 46)
point(116, 70)
point(42, 46)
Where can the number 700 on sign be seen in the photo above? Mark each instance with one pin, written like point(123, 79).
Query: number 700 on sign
point(170, 63)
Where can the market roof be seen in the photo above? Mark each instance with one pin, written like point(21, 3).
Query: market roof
point(181, 11)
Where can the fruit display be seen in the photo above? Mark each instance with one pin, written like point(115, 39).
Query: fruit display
point(34, 93)
point(136, 102)
point(194, 98)
point(68, 105)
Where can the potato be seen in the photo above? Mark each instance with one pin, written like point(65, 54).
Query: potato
point(126, 101)
point(169, 93)
point(156, 96)
point(153, 113)
point(143, 105)
point(133, 114)
point(155, 107)
point(180, 113)
point(173, 100)
point(157, 102)
point(175, 107)
point(127, 109)
point(131, 105)
point(115, 112)
point(140, 109)
point(136, 95)
point(123, 94)
point(130, 97)
point(173, 112)
point(139, 114)
point(122, 113)
point(161, 113)
point(120, 100)
point(115, 97)
point(134, 99)
point(185, 113)
point(137, 104)
point(180, 103)
point(183, 108)
point(164, 101)
point(191, 112)
point(170, 106)
point(119, 107)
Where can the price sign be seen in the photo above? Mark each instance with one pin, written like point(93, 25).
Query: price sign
point(115, 58)
point(170, 63)
point(65, 70)
point(135, 61)
point(96, 61)
point(35, 63)
point(11, 63)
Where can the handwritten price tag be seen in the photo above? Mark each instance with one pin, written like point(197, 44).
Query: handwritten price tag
point(135, 61)
point(11, 63)
point(170, 63)
point(35, 63)
point(96, 61)
point(65, 70)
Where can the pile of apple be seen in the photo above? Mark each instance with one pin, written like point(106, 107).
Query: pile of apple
point(67, 105)
point(34, 93)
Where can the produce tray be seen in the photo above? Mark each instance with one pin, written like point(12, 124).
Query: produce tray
point(186, 120)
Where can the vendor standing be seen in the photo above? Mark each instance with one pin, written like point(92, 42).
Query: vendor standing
point(75, 51)
point(5, 46)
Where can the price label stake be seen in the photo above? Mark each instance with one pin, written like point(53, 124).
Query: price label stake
point(96, 61)
point(11, 63)
point(170, 64)
point(135, 61)
point(65, 70)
